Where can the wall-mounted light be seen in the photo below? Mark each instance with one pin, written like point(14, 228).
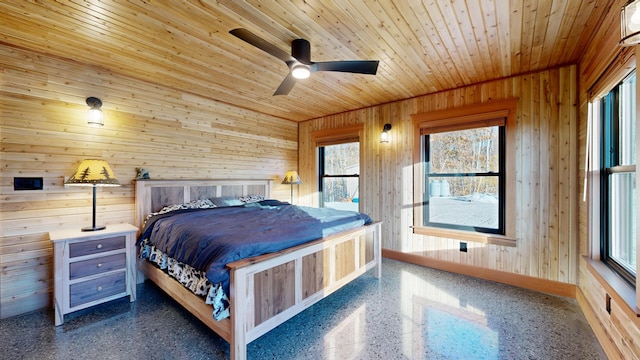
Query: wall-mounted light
point(94, 116)
point(384, 137)
point(630, 23)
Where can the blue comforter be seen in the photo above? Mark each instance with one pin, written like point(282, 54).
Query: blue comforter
point(208, 239)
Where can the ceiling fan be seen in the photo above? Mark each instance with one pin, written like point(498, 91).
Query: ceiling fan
point(299, 62)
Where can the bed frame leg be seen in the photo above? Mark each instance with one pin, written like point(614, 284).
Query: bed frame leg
point(237, 292)
point(377, 248)
point(238, 352)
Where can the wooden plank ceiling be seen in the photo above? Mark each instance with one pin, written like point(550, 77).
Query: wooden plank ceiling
point(423, 46)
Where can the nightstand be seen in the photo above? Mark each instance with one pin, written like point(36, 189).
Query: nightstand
point(92, 267)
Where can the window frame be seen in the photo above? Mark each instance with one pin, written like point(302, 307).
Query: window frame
point(501, 124)
point(460, 118)
point(322, 175)
point(609, 134)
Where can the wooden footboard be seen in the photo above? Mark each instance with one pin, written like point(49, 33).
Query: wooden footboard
point(270, 289)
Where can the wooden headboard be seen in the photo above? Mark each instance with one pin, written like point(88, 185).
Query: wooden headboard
point(153, 195)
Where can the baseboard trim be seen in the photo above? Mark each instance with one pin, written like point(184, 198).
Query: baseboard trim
point(523, 281)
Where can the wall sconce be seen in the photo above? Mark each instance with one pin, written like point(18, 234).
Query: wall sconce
point(630, 24)
point(384, 137)
point(94, 116)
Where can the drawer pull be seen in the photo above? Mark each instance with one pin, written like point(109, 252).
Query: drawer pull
point(99, 265)
point(99, 246)
point(99, 288)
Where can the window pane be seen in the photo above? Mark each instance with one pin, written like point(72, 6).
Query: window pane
point(622, 216)
point(464, 201)
point(627, 126)
point(341, 193)
point(465, 151)
point(342, 159)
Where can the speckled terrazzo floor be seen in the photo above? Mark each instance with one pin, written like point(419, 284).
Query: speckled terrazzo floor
point(411, 313)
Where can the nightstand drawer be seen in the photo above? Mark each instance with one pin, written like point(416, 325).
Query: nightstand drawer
point(97, 266)
point(87, 291)
point(97, 246)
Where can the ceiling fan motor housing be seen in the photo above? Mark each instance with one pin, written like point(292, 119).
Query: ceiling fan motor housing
point(301, 50)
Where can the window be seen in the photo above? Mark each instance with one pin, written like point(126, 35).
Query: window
point(339, 178)
point(618, 173)
point(464, 173)
point(338, 167)
point(464, 178)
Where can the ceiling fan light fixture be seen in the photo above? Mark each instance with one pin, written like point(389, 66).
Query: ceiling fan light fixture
point(300, 72)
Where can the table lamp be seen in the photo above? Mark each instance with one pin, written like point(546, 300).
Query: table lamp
point(93, 172)
point(291, 178)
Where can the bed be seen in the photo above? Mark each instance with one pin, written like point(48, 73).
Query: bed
point(266, 290)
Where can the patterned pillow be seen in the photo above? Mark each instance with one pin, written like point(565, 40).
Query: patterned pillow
point(195, 204)
point(251, 198)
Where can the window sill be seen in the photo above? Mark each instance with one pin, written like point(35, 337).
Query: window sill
point(613, 284)
point(466, 235)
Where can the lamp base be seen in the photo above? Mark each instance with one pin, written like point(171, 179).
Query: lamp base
point(94, 228)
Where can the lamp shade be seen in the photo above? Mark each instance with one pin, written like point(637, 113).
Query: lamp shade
point(94, 117)
point(291, 177)
point(93, 172)
point(630, 23)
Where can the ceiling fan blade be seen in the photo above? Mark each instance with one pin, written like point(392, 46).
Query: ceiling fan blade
point(255, 40)
point(352, 66)
point(286, 85)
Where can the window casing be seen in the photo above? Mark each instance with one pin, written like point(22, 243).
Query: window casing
point(496, 114)
point(617, 178)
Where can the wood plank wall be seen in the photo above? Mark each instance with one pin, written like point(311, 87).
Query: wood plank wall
point(171, 133)
point(618, 331)
point(546, 174)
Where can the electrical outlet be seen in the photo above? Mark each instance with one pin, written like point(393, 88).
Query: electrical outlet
point(463, 246)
